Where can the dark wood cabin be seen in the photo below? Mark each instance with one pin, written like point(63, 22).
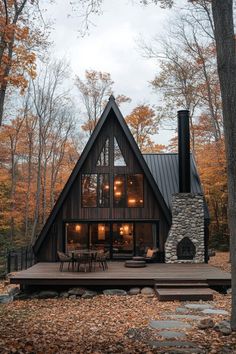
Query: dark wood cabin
point(116, 198)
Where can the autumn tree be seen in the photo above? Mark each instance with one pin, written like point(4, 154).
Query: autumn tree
point(22, 32)
point(94, 92)
point(143, 124)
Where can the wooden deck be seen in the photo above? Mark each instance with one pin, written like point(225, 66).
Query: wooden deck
point(118, 275)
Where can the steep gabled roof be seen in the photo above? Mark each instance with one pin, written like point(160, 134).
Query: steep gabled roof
point(165, 171)
point(111, 105)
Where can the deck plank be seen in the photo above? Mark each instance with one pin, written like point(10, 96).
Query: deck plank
point(117, 274)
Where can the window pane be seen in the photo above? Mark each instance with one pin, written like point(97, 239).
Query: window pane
point(135, 190)
point(119, 191)
point(118, 156)
point(89, 190)
point(146, 237)
point(76, 236)
point(103, 159)
point(103, 190)
point(99, 236)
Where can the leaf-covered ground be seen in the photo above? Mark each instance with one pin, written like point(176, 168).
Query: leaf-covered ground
point(98, 325)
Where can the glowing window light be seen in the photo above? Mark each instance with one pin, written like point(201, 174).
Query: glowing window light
point(132, 201)
point(118, 194)
point(77, 228)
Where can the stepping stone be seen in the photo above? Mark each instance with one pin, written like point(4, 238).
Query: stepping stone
point(171, 334)
point(191, 317)
point(215, 312)
point(181, 310)
point(186, 351)
point(174, 343)
point(198, 306)
point(169, 324)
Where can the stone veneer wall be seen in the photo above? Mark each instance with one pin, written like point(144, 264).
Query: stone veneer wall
point(187, 221)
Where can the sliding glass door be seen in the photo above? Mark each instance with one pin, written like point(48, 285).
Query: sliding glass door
point(122, 240)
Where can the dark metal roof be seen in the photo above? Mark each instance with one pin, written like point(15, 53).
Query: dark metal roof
point(164, 168)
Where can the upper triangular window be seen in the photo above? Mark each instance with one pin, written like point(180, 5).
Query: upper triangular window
point(118, 156)
point(103, 159)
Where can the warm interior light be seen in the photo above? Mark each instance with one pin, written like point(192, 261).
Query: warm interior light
point(106, 186)
point(118, 182)
point(117, 194)
point(101, 232)
point(141, 201)
point(77, 228)
point(132, 201)
point(126, 228)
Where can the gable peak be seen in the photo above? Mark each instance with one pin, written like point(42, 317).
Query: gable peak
point(112, 98)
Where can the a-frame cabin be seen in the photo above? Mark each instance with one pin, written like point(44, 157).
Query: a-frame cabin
point(116, 199)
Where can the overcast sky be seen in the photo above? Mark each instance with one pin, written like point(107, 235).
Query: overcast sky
point(112, 46)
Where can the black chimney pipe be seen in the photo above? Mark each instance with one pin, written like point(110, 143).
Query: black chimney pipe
point(184, 151)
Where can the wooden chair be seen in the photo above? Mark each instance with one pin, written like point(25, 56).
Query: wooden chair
point(85, 261)
point(64, 258)
point(101, 259)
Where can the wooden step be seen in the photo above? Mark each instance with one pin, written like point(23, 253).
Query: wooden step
point(181, 285)
point(184, 294)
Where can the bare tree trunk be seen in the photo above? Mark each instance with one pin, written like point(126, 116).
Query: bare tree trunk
point(226, 62)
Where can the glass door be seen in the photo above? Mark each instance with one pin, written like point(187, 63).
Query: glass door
point(122, 240)
point(99, 236)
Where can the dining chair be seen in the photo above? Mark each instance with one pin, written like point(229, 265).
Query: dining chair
point(64, 258)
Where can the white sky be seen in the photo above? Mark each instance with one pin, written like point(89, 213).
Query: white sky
point(112, 46)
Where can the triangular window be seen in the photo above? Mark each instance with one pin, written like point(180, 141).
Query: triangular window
point(103, 159)
point(118, 156)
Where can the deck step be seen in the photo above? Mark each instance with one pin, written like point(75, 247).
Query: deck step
point(184, 294)
point(181, 285)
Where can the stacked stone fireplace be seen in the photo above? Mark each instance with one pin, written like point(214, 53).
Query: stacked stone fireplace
point(185, 241)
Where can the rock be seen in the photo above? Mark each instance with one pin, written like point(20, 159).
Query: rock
point(72, 297)
point(181, 310)
point(47, 294)
point(169, 324)
point(77, 291)
point(114, 292)
point(147, 291)
point(134, 291)
point(171, 334)
point(198, 306)
point(13, 290)
point(223, 327)
point(64, 294)
point(5, 298)
point(175, 344)
point(22, 296)
point(206, 323)
point(89, 294)
point(229, 291)
point(215, 312)
point(190, 317)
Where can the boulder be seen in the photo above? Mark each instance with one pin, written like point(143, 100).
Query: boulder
point(77, 291)
point(13, 290)
point(147, 291)
point(114, 292)
point(223, 327)
point(206, 323)
point(134, 291)
point(64, 294)
point(47, 294)
point(5, 298)
point(89, 294)
point(22, 296)
point(72, 297)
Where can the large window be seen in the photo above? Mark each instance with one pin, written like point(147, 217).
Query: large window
point(95, 190)
point(103, 159)
point(135, 190)
point(128, 191)
point(119, 191)
point(118, 156)
point(103, 190)
point(76, 236)
point(89, 190)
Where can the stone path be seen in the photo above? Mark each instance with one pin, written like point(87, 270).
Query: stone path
point(172, 328)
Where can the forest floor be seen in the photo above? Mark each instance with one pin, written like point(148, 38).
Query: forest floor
point(105, 324)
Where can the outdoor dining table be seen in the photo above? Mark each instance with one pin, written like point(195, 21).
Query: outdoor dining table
point(85, 252)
